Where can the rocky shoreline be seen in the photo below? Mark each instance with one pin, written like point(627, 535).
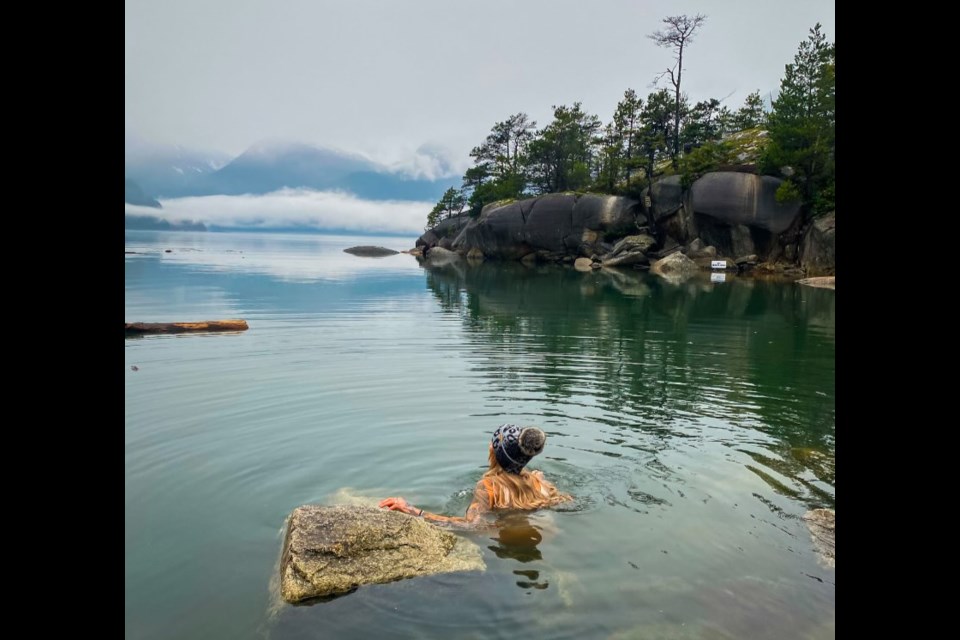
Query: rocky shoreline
point(726, 221)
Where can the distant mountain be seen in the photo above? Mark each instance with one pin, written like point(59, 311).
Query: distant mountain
point(170, 172)
point(154, 223)
point(269, 167)
point(133, 194)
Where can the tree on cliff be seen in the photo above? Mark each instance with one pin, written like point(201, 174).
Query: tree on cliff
point(560, 156)
point(802, 126)
point(751, 114)
point(498, 172)
point(451, 204)
point(677, 35)
point(656, 132)
point(617, 158)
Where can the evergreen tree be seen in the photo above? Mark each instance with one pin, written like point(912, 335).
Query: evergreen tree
point(701, 123)
point(626, 124)
point(451, 203)
point(561, 155)
point(802, 125)
point(657, 130)
point(751, 114)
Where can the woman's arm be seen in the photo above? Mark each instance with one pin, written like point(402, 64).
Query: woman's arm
point(474, 511)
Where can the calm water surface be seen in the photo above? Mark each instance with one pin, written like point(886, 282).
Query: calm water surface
point(694, 423)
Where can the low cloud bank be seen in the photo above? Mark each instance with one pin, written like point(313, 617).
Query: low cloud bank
point(295, 208)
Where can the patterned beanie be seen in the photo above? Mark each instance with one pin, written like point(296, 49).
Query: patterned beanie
point(515, 446)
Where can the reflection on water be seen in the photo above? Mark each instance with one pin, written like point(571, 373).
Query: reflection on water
point(756, 354)
point(694, 423)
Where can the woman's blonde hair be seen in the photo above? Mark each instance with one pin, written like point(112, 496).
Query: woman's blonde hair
point(525, 490)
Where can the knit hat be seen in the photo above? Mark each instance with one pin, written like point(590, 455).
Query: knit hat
point(515, 446)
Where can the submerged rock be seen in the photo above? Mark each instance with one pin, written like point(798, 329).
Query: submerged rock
point(823, 282)
point(439, 255)
point(333, 550)
point(823, 530)
point(370, 252)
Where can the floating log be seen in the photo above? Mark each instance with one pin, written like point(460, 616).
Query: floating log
point(137, 328)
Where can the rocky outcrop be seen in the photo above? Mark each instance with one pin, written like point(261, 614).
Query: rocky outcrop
point(551, 227)
point(735, 212)
point(818, 255)
point(822, 524)
point(332, 550)
point(724, 214)
point(743, 199)
point(368, 251)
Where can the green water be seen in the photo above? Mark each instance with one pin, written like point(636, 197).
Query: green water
point(694, 423)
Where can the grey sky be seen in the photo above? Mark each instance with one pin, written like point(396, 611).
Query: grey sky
point(384, 77)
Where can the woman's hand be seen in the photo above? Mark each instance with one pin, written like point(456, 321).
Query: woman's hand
point(397, 504)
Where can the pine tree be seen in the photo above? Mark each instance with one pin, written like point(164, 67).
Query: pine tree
point(802, 126)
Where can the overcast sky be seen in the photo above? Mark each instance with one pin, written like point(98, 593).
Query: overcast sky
point(386, 77)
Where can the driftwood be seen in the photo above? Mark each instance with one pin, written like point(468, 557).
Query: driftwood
point(137, 328)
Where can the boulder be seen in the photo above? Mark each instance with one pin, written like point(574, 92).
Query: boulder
point(583, 264)
point(666, 197)
point(818, 255)
point(555, 224)
point(742, 198)
point(630, 250)
point(331, 550)
point(368, 251)
point(675, 264)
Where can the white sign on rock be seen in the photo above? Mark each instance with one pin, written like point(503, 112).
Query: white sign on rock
point(718, 264)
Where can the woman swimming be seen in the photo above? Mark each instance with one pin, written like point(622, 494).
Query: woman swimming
point(506, 484)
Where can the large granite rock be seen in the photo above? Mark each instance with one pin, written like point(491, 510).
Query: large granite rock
point(333, 550)
point(675, 263)
point(671, 209)
point(818, 255)
point(742, 198)
point(666, 195)
point(557, 223)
